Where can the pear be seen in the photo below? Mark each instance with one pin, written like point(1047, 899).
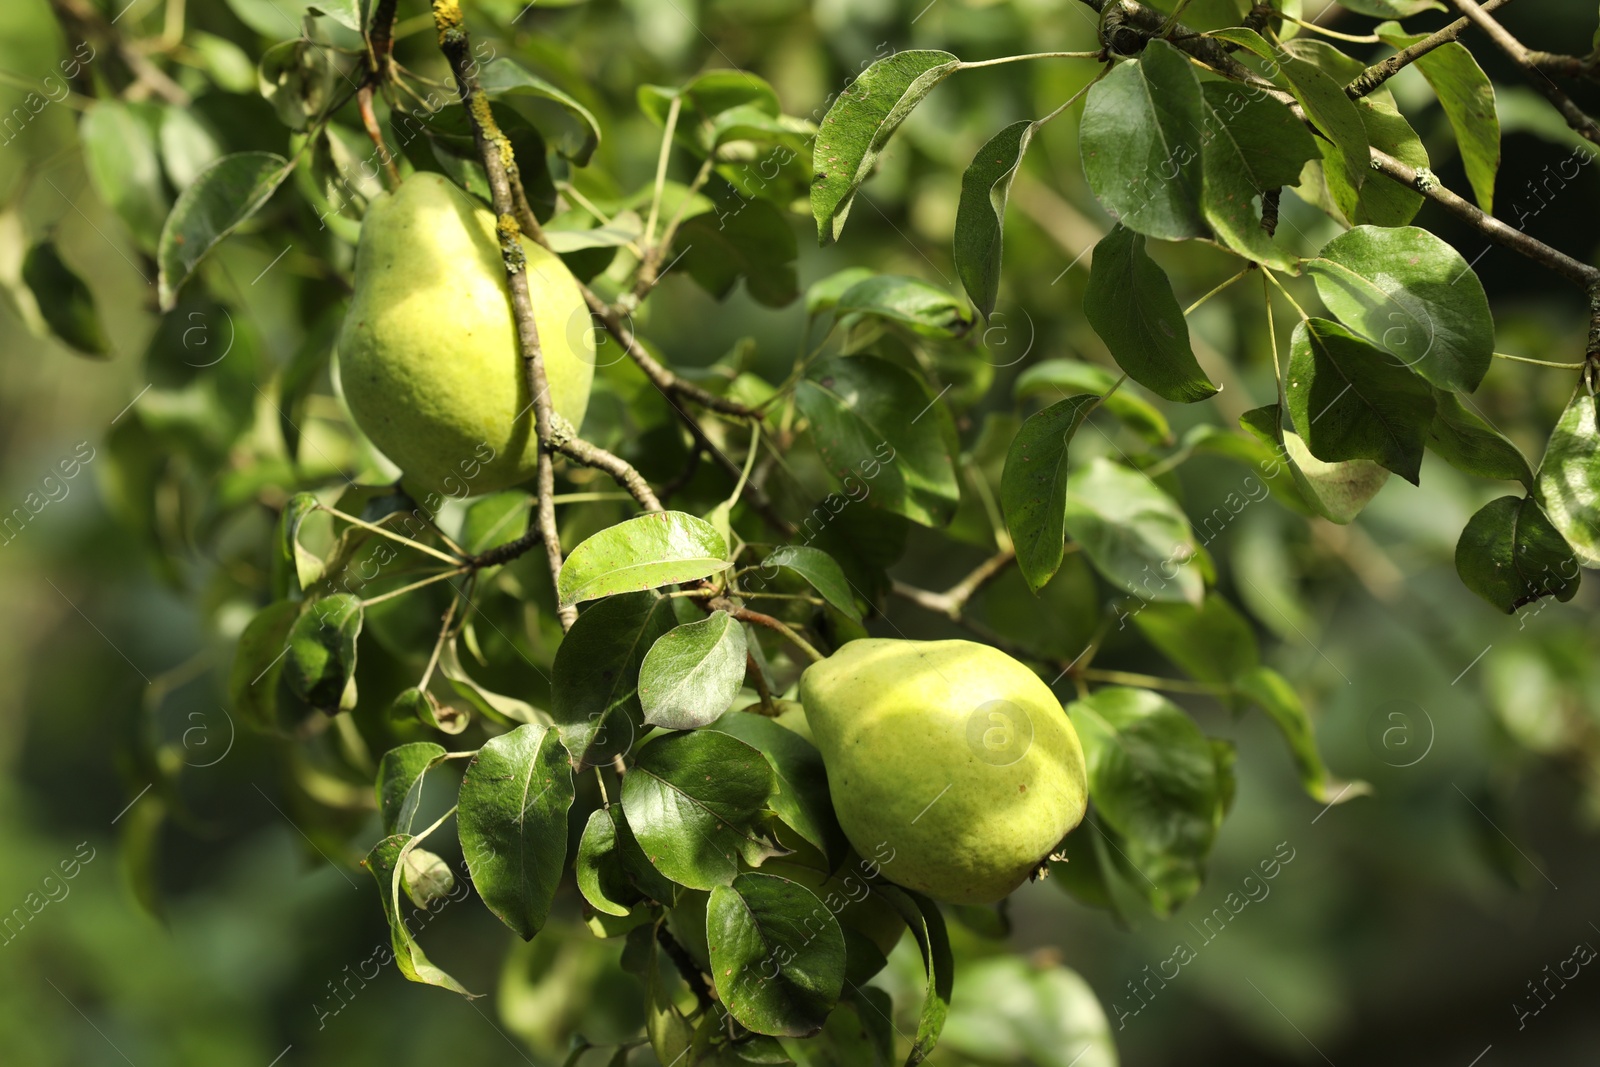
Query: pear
point(949, 763)
point(428, 354)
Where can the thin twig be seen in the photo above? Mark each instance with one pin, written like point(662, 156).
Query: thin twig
point(1380, 72)
point(1576, 117)
point(775, 625)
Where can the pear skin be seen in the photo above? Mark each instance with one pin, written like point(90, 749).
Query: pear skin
point(428, 354)
point(949, 758)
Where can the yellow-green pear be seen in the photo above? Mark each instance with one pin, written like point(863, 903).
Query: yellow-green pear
point(949, 763)
point(428, 356)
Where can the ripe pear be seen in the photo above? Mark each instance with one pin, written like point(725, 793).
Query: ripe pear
point(428, 355)
point(948, 762)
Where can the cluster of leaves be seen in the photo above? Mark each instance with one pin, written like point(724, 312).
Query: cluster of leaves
point(703, 835)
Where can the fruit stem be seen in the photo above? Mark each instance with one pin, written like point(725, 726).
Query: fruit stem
point(776, 625)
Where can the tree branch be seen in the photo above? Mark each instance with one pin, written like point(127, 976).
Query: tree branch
point(1576, 117)
point(500, 167)
point(1380, 72)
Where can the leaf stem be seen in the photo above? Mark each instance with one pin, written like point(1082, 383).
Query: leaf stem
point(776, 625)
point(667, 133)
point(1150, 681)
point(1353, 38)
point(1073, 99)
point(1539, 362)
point(1246, 270)
point(431, 579)
point(1032, 55)
point(381, 532)
point(1286, 295)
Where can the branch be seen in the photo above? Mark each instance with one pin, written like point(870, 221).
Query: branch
point(1576, 117)
point(953, 601)
point(80, 16)
point(1380, 72)
point(776, 625)
point(663, 379)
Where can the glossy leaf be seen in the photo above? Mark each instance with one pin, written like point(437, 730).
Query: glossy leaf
point(692, 673)
point(1130, 304)
point(505, 78)
point(513, 824)
point(981, 212)
point(695, 802)
point(1154, 781)
point(1253, 145)
point(383, 861)
point(663, 548)
point(1351, 400)
point(801, 796)
point(860, 123)
point(777, 954)
point(1511, 555)
point(821, 571)
point(1413, 295)
point(924, 309)
point(1211, 643)
point(595, 678)
point(1268, 690)
point(752, 241)
point(496, 707)
point(872, 420)
point(1569, 477)
point(607, 860)
point(1467, 97)
point(1033, 487)
point(399, 783)
point(64, 300)
point(294, 568)
point(1133, 533)
point(1469, 444)
point(227, 194)
point(927, 926)
point(1387, 203)
point(1071, 376)
point(1336, 491)
point(1138, 139)
point(321, 662)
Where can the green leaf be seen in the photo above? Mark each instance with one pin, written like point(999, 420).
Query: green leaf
point(425, 877)
point(873, 420)
point(821, 571)
point(927, 926)
point(925, 309)
point(384, 861)
point(1069, 376)
point(1271, 692)
point(1137, 140)
point(1413, 295)
point(496, 707)
point(1336, 491)
point(1010, 1010)
point(419, 705)
point(824, 294)
point(494, 520)
point(1033, 487)
point(296, 78)
point(777, 954)
point(695, 800)
point(860, 123)
point(1211, 643)
point(258, 664)
point(1133, 533)
point(1386, 203)
point(1511, 555)
point(1154, 781)
point(981, 213)
point(1351, 400)
point(64, 300)
point(120, 153)
point(1469, 444)
point(1569, 476)
point(801, 799)
point(610, 869)
point(692, 673)
point(513, 824)
point(294, 569)
point(321, 662)
point(1253, 145)
point(1467, 97)
point(595, 677)
point(505, 78)
point(752, 241)
point(663, 548)
point(399, 783)
point(229, 191)
point(1329, 109)
point(1391, 9)
point(1130, 304)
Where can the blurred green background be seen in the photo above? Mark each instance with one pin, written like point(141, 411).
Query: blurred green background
point(1407, 927)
